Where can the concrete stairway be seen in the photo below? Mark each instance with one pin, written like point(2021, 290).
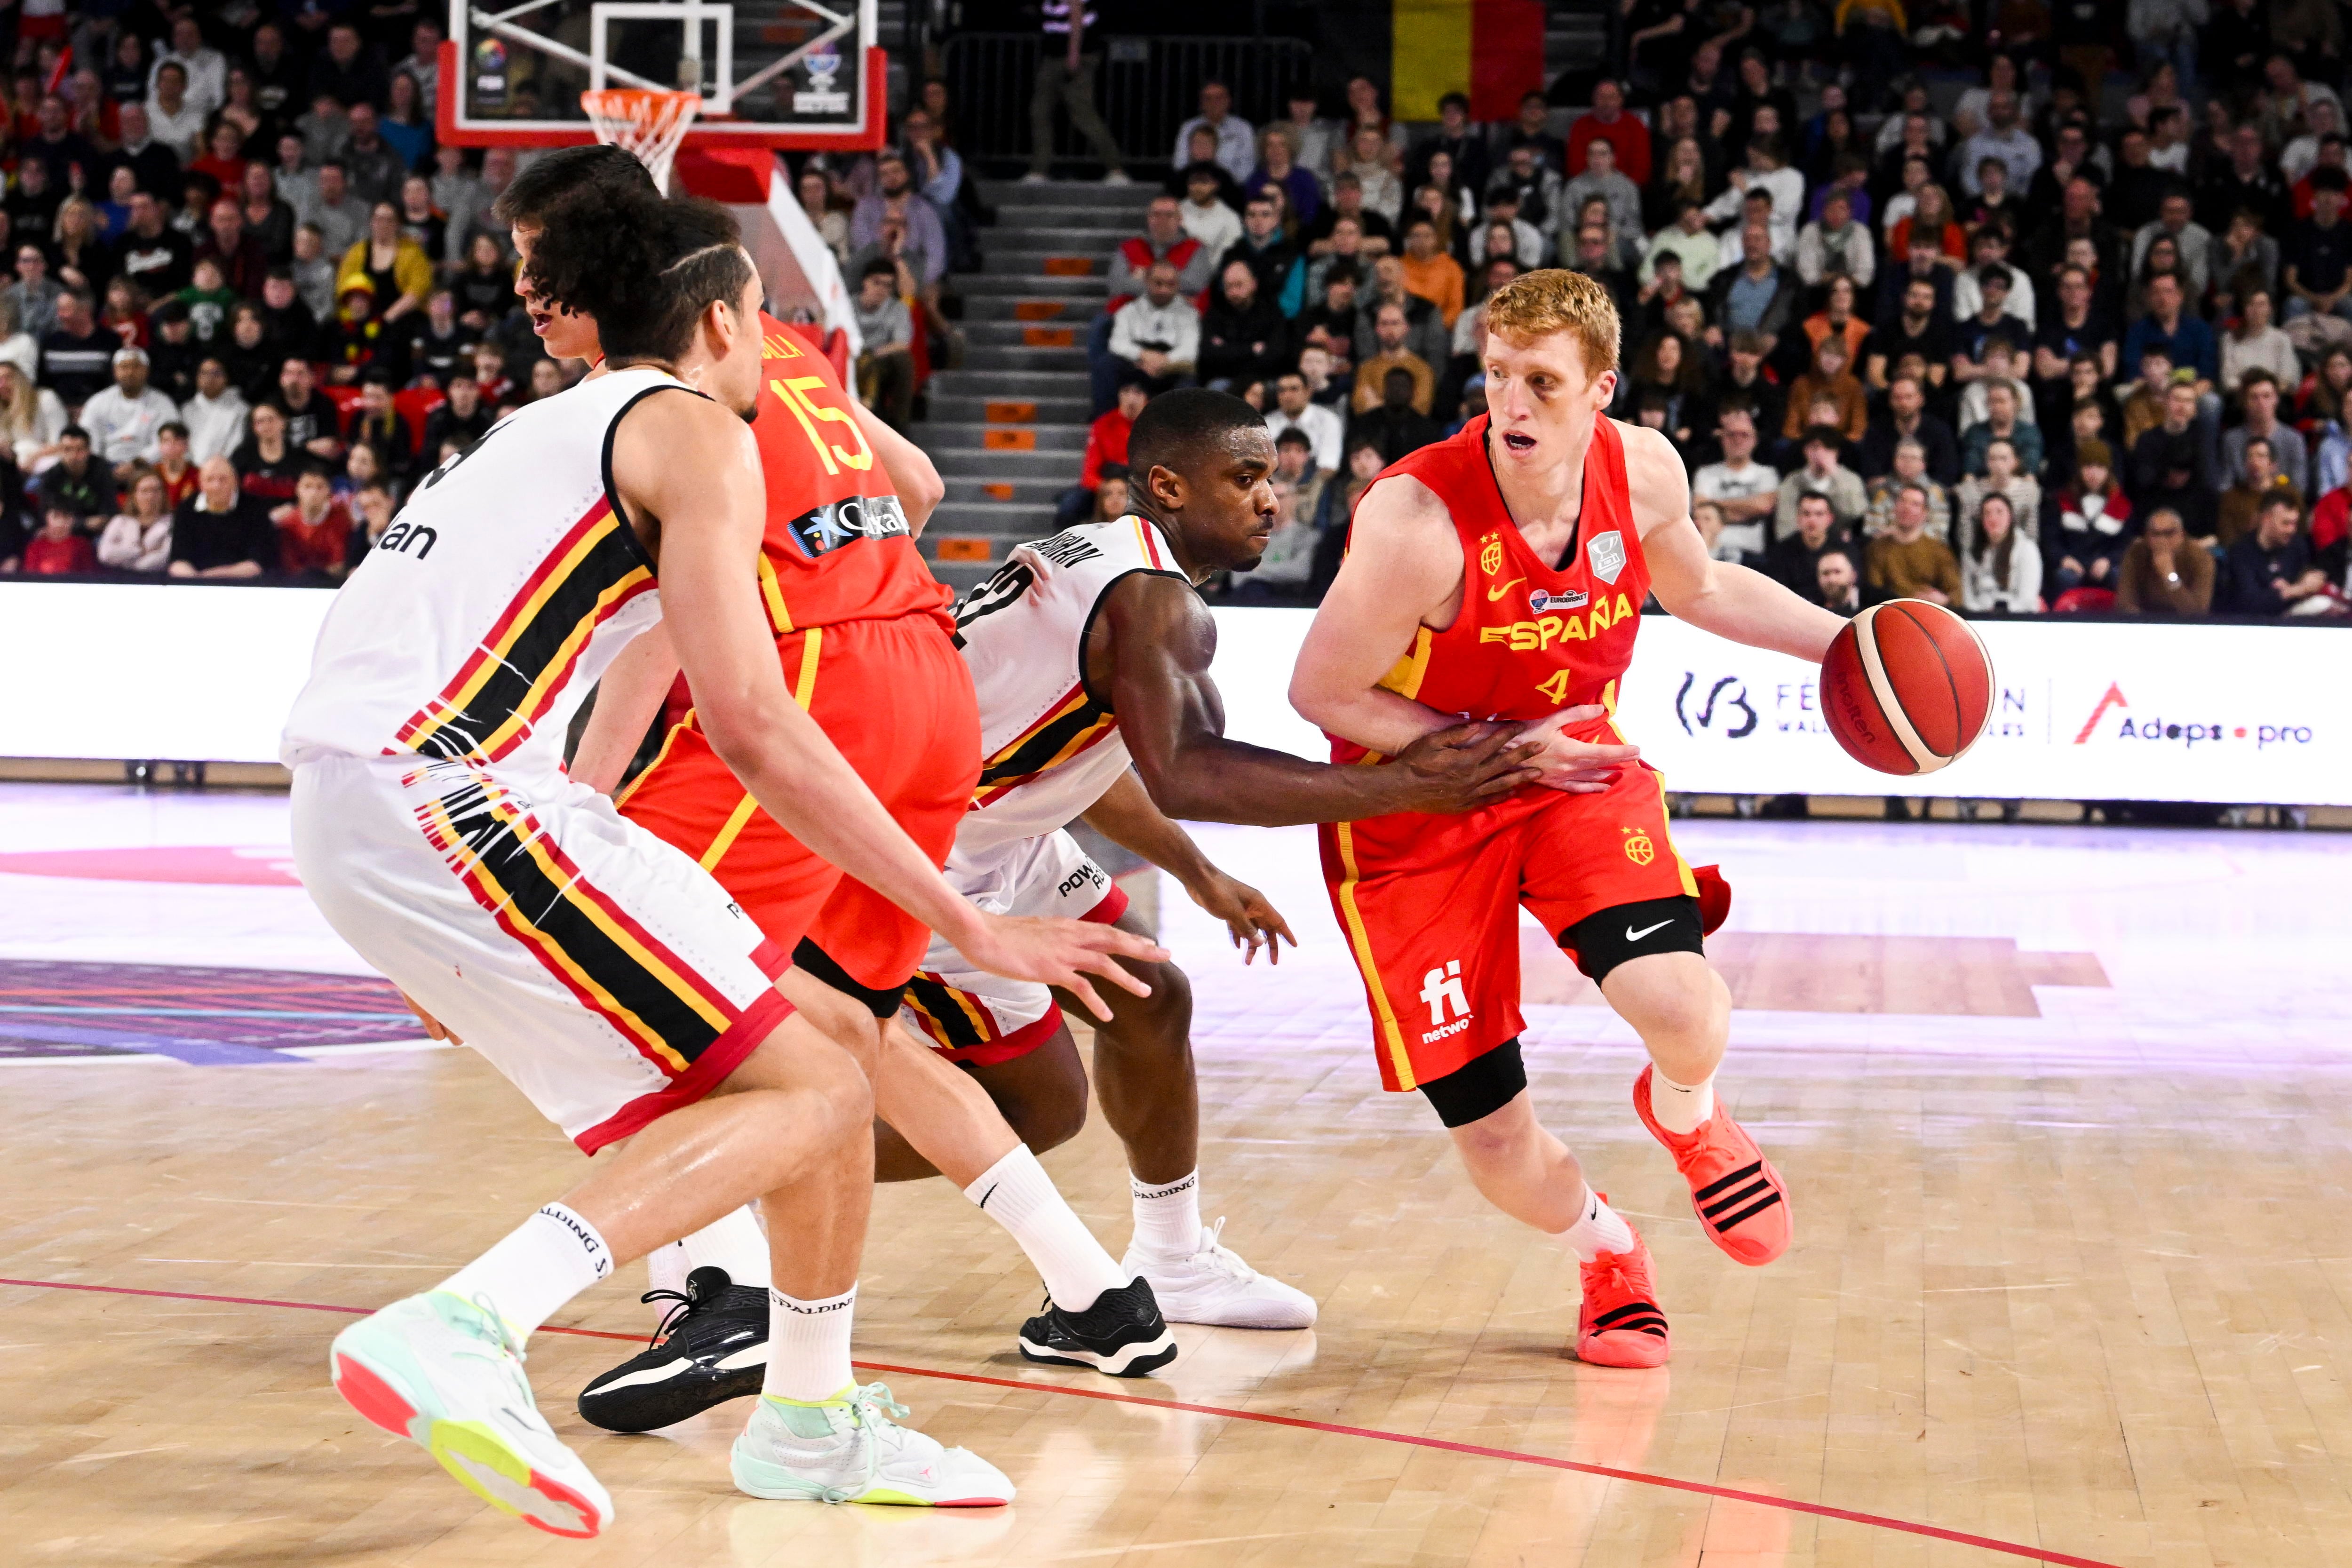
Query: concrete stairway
point(1008, 430)
point(1576, 37)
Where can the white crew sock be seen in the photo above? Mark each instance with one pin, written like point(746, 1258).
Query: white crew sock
point(543, 1262)
point(666, 1269)
point(1018, 1195)
point(1598, 1229)
point(734, 1242)
point(1167, 1216)
point(808, 1346)
point(1680, 1107)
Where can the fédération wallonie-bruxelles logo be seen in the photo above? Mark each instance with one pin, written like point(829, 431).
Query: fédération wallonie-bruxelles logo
point(2151, 725)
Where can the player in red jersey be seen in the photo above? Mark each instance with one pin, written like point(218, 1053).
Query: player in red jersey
point(1501, 573)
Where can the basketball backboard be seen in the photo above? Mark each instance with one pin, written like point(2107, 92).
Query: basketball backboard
point(774, 73)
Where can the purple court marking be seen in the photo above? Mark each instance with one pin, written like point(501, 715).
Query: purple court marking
point(63, 1011)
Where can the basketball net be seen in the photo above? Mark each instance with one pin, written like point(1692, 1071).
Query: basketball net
point(647, 123)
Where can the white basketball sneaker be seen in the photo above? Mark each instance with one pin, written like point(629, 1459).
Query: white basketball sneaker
point(848, 1449)
point(1214, 1286)
point(443, 1373)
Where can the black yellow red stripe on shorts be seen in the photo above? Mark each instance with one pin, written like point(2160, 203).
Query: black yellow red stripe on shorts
point(615, 967)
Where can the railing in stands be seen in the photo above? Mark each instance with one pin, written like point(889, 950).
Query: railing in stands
point(1145, 87)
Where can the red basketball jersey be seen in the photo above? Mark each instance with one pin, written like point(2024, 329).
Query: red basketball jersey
point(1530, 638)
point(838, 547)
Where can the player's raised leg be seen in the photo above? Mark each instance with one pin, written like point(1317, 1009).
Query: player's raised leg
point(1678, 1004)
point(1636, 924)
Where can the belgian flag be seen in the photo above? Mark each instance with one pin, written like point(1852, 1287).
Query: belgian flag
point(1491, 49)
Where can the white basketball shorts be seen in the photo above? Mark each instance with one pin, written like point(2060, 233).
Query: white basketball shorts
point(602, 970)
point(972, 1015)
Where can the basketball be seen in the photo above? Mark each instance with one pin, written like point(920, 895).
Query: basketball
point(1907, 686)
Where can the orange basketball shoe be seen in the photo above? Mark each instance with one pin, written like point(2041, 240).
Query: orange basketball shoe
point(1619, 1323)
point(1740, 1200)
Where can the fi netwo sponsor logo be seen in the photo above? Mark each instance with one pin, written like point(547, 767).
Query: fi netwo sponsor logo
point(1442, 992)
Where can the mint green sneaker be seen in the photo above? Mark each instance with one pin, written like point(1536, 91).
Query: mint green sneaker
point(445, 1372)
point(848, 1449)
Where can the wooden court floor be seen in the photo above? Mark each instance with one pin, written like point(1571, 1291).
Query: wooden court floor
point(2068, 1287)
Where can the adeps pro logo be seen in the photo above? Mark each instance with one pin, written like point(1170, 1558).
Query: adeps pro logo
point(2152, 725)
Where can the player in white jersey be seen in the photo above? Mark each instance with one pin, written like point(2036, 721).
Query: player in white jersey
point(1090, 654)
point(601, 971)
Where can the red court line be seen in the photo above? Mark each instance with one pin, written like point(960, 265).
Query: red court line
point(1641, 1478)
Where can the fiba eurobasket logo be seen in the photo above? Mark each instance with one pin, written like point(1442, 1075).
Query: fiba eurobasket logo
point(822, 63)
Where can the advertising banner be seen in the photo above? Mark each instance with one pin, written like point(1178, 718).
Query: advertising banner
point(2236, 714)
point(150, 672)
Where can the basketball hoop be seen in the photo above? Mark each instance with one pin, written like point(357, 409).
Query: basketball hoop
point(647, 123)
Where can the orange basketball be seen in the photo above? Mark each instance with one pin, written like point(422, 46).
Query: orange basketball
point(1907, 686)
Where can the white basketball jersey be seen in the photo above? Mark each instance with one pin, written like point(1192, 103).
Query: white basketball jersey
point(1049, 746)
point(493, 603)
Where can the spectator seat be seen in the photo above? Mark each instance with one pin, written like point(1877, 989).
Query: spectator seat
point(2083, 601)
point(414, 404)
point(833, 345)
point(345, 398)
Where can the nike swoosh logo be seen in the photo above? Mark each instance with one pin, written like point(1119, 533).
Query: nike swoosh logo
point(988, 1195)
point(1632, 935)
point(1495, 593)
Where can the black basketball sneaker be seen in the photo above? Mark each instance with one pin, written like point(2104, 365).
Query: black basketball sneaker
point(1122, 1334)
point(712, 1347)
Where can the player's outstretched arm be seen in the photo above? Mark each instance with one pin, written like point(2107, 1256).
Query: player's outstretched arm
point(1158, 640)
point(688, 459)
point(1403, 563)
point(628, 699)
point(1730, 601)
point(1126, 816)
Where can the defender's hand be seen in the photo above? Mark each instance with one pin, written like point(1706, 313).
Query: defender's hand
point(433, 1027)
point(1575, 767)
point(1253, 921)
point(1061, 953)
point(1460, 768)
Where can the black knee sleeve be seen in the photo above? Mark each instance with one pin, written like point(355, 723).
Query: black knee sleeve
point(1601, 941)
point(1480, 1087)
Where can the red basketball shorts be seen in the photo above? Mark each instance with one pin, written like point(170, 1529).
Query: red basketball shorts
point(894, 696)
point(1429, 906)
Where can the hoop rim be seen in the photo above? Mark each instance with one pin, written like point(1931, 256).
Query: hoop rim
point(633, 103)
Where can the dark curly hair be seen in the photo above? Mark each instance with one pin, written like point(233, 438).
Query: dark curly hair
point(566, 173)
point(643, 268)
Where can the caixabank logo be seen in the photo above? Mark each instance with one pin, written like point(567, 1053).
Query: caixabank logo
point(2115, 719)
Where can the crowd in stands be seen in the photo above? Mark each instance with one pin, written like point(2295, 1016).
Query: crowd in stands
point(2041, 305)
point(245, 298)
point(2021, 308)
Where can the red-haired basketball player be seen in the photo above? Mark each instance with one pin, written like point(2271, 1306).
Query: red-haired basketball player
point(1501, 573)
